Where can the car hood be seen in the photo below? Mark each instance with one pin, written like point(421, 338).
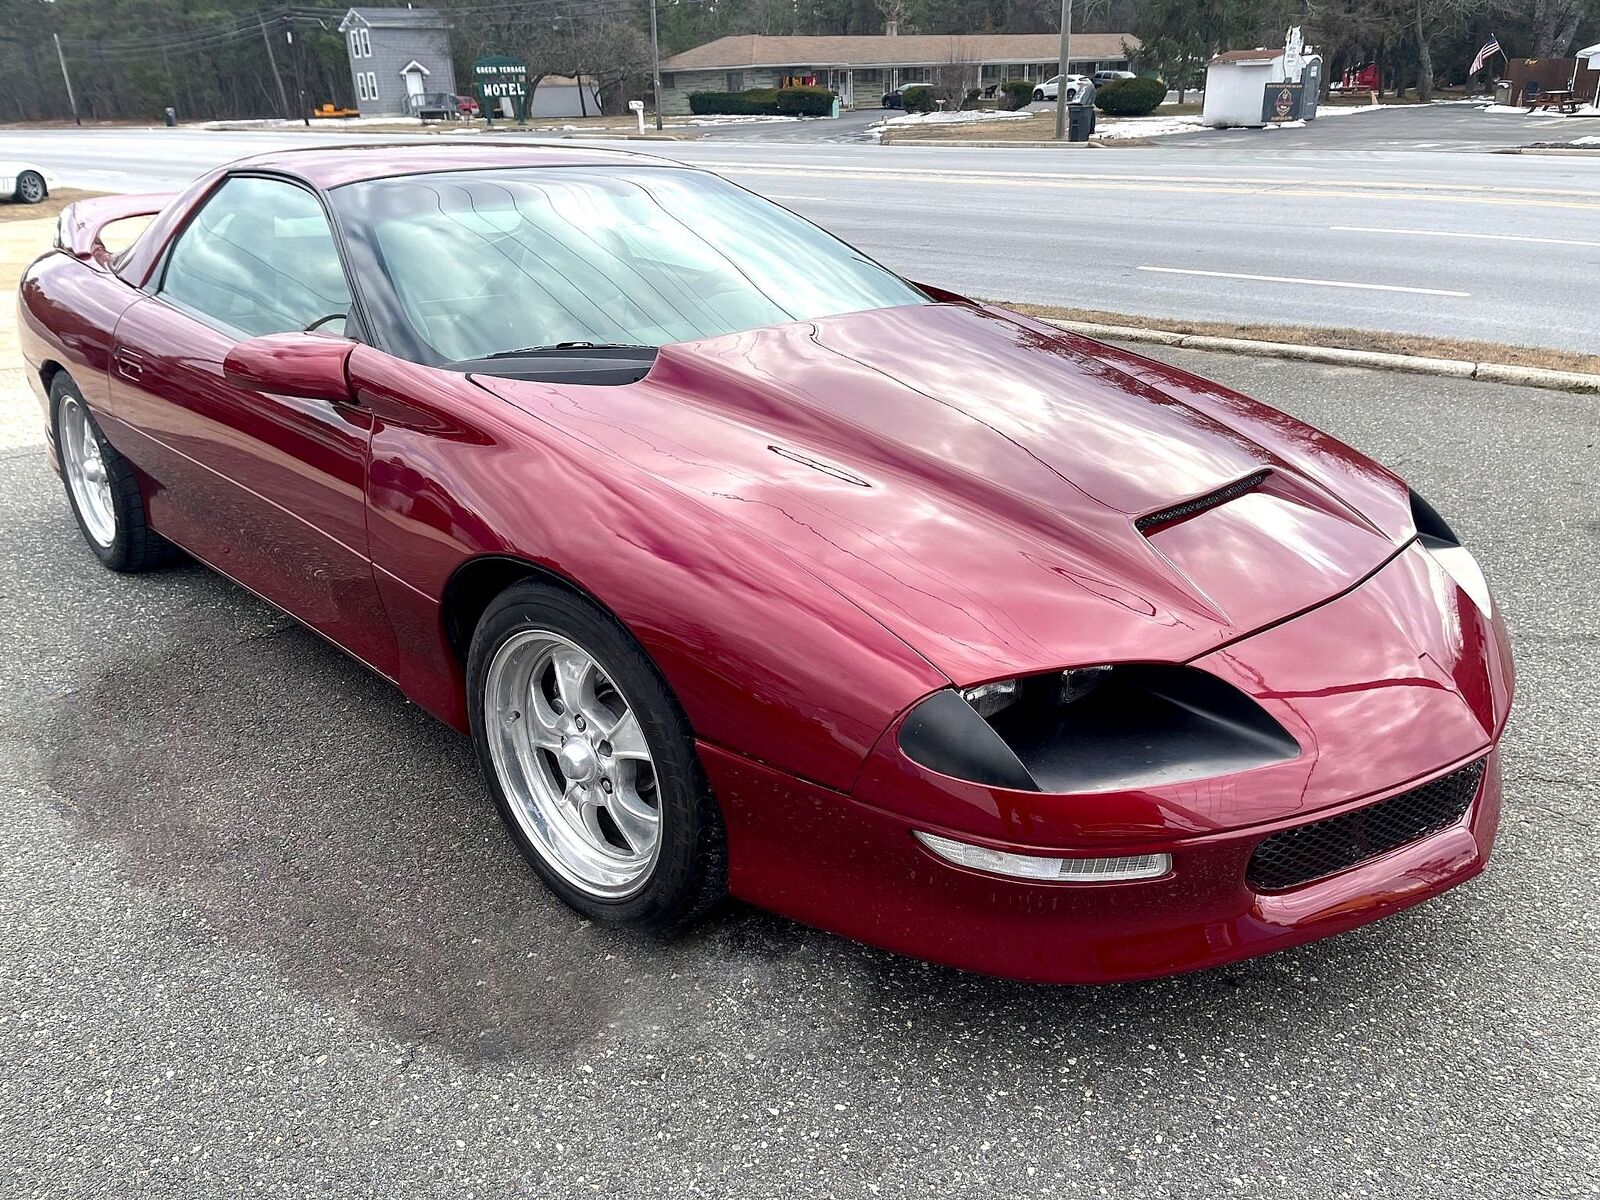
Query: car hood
point(1002, 496)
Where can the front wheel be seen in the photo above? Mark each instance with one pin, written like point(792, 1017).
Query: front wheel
point(591, 762)
point(1038, 95)
point(30, 187)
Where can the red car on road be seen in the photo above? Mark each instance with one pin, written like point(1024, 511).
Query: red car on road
point(751, 566)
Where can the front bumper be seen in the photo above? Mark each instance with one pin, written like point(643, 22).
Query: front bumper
point(1395, 684)
point(841, 865)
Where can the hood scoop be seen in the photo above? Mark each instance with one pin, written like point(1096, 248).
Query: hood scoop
point(1191, 508)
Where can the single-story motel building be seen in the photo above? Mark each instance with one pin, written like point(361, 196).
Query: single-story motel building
point(862, 68)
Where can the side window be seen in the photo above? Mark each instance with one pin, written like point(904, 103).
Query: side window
point(259, 258)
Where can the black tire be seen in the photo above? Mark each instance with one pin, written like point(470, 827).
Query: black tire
point(31, 188)
point(1038, 95)
point(134, 546)
point(690, 873)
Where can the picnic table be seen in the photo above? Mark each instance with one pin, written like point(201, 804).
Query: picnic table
point(1557, 98)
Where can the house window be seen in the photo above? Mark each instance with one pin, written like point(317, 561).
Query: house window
point(733, 81)
point(667, 81)
point(366, 85)
point(372, 85)
point(360, 43)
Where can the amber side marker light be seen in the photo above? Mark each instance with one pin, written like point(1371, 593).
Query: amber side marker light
point(1046, 870)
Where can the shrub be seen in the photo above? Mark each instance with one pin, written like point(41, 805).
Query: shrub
point(918, 99)
point(1015, 94)
point(804, 102)
point(755, 102)
point(1131, 97)
point(974, 94)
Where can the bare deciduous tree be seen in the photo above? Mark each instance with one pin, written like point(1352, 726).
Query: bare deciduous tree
point(955, 77)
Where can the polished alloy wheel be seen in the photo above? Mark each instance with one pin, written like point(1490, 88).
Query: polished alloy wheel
point(30, 187)
point(573, 762)
point(86, 471)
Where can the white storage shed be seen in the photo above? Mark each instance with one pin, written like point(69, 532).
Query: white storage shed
point(1236, 81)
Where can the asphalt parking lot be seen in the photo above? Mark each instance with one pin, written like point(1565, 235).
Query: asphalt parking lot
point(261, 934)
point(1461, 127)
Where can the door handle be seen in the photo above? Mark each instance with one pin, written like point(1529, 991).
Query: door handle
point(129, 364)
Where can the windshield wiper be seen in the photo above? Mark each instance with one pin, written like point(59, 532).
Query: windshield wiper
point(564, 347)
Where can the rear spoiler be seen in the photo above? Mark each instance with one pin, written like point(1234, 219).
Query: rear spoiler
point(78, 231)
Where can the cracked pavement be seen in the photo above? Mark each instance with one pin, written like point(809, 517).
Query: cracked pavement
point(262, 934)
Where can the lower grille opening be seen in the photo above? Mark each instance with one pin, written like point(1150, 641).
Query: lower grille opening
point(1292, 857)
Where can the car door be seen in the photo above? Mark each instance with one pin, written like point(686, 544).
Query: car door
point(268, 489)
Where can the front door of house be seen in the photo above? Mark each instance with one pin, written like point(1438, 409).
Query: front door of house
point(414, 82)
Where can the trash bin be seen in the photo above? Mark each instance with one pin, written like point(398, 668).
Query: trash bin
point(1080, 122)
point(835, 111)
point(171, 116)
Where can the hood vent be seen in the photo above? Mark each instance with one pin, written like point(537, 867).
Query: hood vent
point(1152, 521)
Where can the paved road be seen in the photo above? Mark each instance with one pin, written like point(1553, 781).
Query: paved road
point(261, 934)
point(1498, 247)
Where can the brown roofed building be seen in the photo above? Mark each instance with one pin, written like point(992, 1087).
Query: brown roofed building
point(862, 68)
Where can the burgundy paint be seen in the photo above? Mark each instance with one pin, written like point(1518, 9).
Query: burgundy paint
point(810, 528)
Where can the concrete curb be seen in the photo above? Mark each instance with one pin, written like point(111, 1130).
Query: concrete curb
point(1454, 368)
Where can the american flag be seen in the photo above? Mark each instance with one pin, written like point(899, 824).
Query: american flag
point(1492, 46)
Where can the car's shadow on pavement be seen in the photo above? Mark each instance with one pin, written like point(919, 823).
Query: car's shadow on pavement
point(301, 810)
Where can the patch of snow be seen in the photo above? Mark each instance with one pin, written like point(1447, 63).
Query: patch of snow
point(1588, 140)
point(1143, 127)
point(1344, 110)
point(953, 118)
point(1286, 125)
point(1506, 108)
point(750, 119)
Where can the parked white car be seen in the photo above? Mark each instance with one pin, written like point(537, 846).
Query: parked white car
point(1075, 86)
point(25, 182)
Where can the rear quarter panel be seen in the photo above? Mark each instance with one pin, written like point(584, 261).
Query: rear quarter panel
point(67, 312)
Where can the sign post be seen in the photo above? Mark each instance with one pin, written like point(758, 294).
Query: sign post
point(499, 77)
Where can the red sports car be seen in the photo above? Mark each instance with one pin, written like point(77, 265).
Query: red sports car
point(751, 567)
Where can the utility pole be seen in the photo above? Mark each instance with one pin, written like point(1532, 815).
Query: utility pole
point(72, 99)
point(1066, 65)
point(272, 61)
point(299, 80)
point(655, 61)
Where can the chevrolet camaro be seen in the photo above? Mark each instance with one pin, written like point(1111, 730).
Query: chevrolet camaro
point(752, 567)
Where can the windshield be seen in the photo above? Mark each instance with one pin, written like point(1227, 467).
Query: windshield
point(480, 263)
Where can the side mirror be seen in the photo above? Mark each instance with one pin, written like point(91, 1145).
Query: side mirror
point(309, 365)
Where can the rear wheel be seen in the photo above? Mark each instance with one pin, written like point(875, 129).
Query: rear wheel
point(591, 762)
point(30, 187)
point(102, 488)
